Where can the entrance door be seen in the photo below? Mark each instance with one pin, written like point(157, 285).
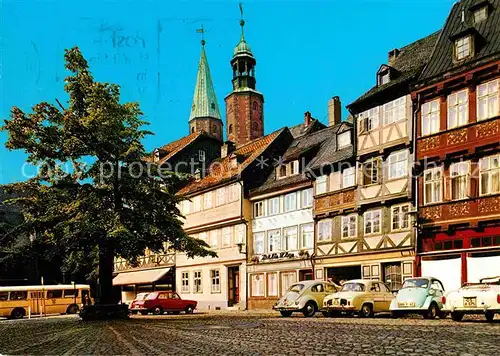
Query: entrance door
point(233, 284)
point(36, 302)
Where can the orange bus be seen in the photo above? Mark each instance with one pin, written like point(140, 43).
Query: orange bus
point(19, 301)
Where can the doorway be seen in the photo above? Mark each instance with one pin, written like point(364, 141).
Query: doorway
point(345, 273)
point(233, 285)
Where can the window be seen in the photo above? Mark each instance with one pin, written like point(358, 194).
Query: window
point(258, 243)
point(70, 293)
point(4, 296)
point(325, 230)
point(215, 280)
point(226, 236)
point(207, 200)
point(344, 139)
point(307, 198)
point(287, 280)
point(430, 117)
point(230, 129)
point(291, 201)
point(214, 238)
point(197, 282)
point(398, 164)
point(186, 207)
point(233, 192)
point(489, 168)
point(348, 177)
point(371, 172)
point(400, 217)
point(349, 224)
point(258, 285)
point(290, 238)
point(185, 282)
point(384, 78)
point(274, 206)
point(255, 105)
point(281, 171)
point(22, 295)
point(307, 236)
point(272, 285)
point(458, 109)
point(372, 222)
point(203, 236)
point(273, 241)
point(258, 209)
point(51, 294)
point(463, 48)
point(295, 167)
point(368, 120)
point(321, 184)
point(196, 203)
point(220, 198)
point(487, 100)
point(201, 155)
point(240, 233)
point(395, 111)
point(480, 14)
point(433, 185)
point(459, 173)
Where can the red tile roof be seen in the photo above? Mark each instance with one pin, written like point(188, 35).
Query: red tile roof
point(172, 148)
point(223, 170)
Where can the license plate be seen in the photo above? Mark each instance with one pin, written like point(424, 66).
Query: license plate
point(470, 302)
point(407, 304)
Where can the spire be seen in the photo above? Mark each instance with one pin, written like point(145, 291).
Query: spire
point(204, 99)
point(242, 48)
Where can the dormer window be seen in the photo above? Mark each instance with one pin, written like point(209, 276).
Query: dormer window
point(463, 47)
point(480, 14)
point(287, 169)
point(343, 140)
point(384, 78)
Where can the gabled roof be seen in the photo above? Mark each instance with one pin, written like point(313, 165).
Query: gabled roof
point(407, 65)
point(488, 32)
point(223, 170)
point(302, 129)
point(204, 99)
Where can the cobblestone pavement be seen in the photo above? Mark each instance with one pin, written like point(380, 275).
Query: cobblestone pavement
point(249, 333)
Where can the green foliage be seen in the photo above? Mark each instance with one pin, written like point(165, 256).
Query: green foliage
point(109, 196)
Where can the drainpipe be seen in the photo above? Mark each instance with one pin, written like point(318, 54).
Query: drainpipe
point(246, 242)
point(415, 181)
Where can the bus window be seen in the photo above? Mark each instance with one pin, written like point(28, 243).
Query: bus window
point(18, 295)
point(4, 295)
point(52, 294)
point(70, 293)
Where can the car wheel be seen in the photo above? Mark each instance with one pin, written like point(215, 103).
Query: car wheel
point(17, 313)
point(456, 316)
point(366, 311)
point(309, 309)
point(396, 315)
point(489, 316)
point(432, 312)
point(72, 309)
point(286, 313)
point(189, 310)
point(157, 310)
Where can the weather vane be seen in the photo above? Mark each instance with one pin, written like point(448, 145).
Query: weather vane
point(242, 22)
point(202, 31)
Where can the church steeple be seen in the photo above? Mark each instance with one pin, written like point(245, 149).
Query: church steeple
point(244, 105)
point(205, 113)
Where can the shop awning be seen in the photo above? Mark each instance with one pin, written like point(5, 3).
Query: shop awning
point(139, 277)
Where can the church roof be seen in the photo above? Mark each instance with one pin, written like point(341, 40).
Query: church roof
point(204, 99)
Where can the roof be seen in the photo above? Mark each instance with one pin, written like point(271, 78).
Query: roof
point(329, 153)
point(302, 129)
point(489, 30)
point(407, 65)
point(222, 170)
point(204, 99)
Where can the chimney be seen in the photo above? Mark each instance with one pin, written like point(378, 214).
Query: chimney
point(307, 119)
point(334, 111)
point(392, 56)
point(227, 148)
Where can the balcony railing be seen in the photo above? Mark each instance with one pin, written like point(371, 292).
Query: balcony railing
point(145, 262)
point(334, 201)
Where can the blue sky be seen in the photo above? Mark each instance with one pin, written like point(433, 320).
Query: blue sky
point(306, 51)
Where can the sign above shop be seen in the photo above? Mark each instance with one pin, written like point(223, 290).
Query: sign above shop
point(276, 256)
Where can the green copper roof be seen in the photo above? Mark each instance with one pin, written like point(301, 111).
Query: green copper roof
point(243, 47)
point(204, 100)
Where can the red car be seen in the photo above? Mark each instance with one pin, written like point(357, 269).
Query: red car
point(161, 302)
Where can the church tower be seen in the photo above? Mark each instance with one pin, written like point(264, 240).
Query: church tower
point(244, 105)
point(205, 115)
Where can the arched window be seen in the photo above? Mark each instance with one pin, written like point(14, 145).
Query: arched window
point(230, 128)
point(192, 129)
point(214, 128)
point(255, 105)
point(255, 125)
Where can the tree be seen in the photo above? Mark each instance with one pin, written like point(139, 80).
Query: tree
point(94, 195)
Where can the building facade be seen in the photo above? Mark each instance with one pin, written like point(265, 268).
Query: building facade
point(458, 149)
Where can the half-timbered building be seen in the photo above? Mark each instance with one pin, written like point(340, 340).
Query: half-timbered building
point(458, 150)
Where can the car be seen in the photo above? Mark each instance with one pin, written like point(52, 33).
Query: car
point(421, 295)
point(475, 298)
point(161, 302)
point(305, 297)
point(363, 297)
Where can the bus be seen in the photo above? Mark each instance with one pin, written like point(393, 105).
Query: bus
point(19, 301)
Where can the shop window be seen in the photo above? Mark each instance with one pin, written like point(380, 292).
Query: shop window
point(287, 279)
point(258, 285)
point(392, 276)
point(272, 285)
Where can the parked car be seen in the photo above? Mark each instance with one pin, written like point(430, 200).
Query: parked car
point(161, 302)
point(360, 296)
point(305, 297)
point(422, 295)
point(475, 298)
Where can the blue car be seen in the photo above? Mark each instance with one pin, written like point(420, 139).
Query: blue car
point(421, 295)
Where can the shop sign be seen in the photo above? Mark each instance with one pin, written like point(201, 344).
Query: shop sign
point(277, 256)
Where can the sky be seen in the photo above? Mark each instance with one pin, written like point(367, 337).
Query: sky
point(306, 52)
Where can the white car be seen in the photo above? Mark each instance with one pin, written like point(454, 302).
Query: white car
point(475, 298)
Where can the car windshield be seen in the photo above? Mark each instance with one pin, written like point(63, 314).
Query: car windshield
point(296, 288)
point(141, 296)
point(353, 287)
point(416, 283)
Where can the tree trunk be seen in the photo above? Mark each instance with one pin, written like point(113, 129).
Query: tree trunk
point(106, 260)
